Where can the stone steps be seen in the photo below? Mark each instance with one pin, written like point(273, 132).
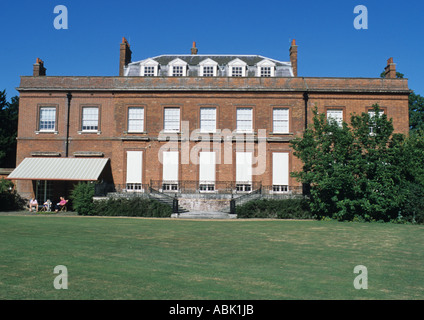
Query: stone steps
point(203, 215)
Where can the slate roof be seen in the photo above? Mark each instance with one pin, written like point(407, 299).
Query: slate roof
point(282, 69)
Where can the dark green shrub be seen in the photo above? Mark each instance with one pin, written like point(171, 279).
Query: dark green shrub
point(131, 207)
point(9, 199)
point(275, 208)
point(82, 198)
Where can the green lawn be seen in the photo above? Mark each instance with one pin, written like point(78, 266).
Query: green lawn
point(130, 258)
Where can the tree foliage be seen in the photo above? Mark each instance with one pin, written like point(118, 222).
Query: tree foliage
point(8, 130)
point(362, 171)
point(416, 112)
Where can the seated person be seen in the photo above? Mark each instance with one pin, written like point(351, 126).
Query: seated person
point(47, 205)
point(33, 203)
point(61, 204)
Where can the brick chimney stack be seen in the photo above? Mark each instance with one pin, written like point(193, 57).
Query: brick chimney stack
point(390, 70)
point(124, 56)
point(194, 49)
point(38, 69)
point(293, 57)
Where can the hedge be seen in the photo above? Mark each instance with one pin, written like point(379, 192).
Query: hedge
point(273, 208)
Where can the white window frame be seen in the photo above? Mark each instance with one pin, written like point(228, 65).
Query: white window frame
point(265, 65)
point(89, 119)
point(180, 64)
point(208, 63)
point(235, 66)
point(283, 117)
point(240, 121)
point(146, 67)
point(335, 115)
point(136, 118)
point(208, 119)
point(47, 115)
point(169, 124)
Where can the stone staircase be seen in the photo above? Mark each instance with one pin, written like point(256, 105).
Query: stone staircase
point(204, 215)
point(165, 199)
point(239, 200)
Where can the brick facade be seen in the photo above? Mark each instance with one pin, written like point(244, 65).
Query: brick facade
point(114, 95)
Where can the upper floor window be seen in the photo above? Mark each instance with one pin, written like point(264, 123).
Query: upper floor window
point(265, 71)
point(90, 119)
point(237, 71)
point(207, 119)
point(373, 125)
point(280, 120)
point(208, 68)
point(237, 68)
point(177, 68)
point(335, 115)
point(149, 68)
point(177, 71)
point(135, 119)
point(47, 119)
point(244, 119)
point(149, 71)
point(171, 121)
point(266, 68)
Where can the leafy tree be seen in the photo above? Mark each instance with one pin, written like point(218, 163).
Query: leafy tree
point(416, 112)
point(357, 172)
point(8, 130)
point(416, 107)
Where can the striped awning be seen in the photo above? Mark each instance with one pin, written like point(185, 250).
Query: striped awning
point(76, 169)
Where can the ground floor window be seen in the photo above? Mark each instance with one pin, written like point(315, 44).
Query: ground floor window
point(134, 187)
point(243, 187)
point(280, 188)
point(207, 187)
point(170, 187)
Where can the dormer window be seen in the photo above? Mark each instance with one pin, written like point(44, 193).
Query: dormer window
point(266, 68)
point(177, 71)
point(149, 68)
point(208, 68)
point(177, 68)
point(237, 68)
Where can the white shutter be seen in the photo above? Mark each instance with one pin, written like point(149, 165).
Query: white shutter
point(134, 166)
point(244, 167)
point(170, 166)
point(206, 167)
point(280, 168)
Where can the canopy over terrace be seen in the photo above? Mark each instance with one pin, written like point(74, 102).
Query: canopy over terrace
point(50, 178)
point(68, 169)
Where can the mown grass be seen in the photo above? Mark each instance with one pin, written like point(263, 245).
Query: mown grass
point(133, 258)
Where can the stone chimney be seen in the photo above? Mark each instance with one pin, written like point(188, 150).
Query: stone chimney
point(194, 49)
point(124, 56)
point(293, 57)
point(38, 69)
point(390, 70)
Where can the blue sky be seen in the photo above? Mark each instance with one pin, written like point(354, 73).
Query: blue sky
point(328, 43)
